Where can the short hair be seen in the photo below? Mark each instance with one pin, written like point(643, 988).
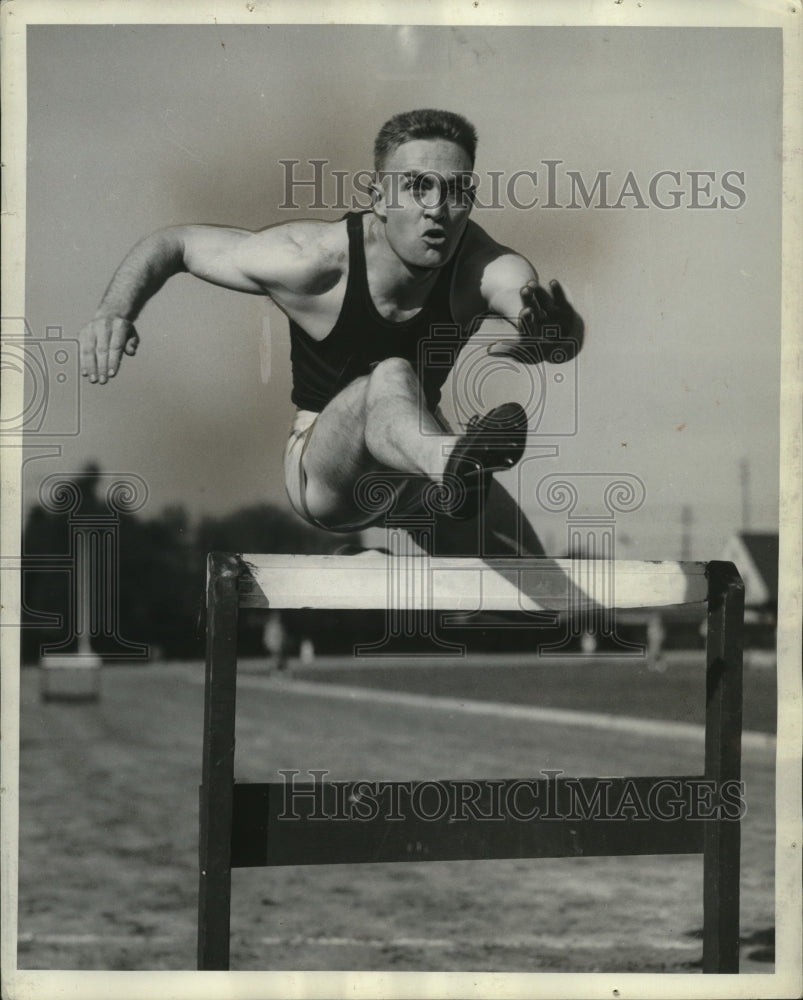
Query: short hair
point(425, 123)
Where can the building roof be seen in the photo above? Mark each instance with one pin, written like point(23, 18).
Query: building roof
point(755, 554)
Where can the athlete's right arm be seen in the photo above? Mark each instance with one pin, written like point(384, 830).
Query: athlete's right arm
point(260, 263)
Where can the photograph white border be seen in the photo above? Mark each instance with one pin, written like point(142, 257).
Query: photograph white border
point(786, 980)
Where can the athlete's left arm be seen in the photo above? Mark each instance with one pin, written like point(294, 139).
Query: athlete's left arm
point(548, 327)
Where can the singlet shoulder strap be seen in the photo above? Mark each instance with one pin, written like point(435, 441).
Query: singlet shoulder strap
point(357, 266)
point(356, 282)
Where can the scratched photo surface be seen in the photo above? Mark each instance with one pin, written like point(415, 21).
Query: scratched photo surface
point(641, 168)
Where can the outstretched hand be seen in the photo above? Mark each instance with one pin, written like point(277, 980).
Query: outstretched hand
point(549, 328)
point(103, 342)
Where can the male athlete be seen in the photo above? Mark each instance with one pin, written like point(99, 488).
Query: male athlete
point(361, 295)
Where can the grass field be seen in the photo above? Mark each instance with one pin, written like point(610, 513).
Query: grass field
point(108, 819)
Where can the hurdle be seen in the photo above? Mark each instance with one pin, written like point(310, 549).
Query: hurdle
point(246, 825)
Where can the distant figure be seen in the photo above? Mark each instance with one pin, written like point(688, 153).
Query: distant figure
point(588, 643)
point(655, 641)
point(306, 652)
point(274, 638)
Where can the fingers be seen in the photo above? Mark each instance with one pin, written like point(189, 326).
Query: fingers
point(117, 344)
point(532, 312)
point(549, 328)
point(537, 301)
point(532, 292)
point(103, 343)
point(87, 339)
point(558, 294)
point(545, 301)
point(105, 347)
point(132, 344)
point(527, 292)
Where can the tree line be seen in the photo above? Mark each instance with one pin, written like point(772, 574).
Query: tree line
point(154, 582)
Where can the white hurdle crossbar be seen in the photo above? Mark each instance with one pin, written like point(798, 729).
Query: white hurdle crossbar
point(241, 825)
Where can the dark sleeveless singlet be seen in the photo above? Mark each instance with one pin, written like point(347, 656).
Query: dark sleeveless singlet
point(361, 337)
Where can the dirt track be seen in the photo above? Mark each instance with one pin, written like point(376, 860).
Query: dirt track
point(108, 862)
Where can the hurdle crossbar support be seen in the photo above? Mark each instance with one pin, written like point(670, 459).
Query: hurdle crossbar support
point(278, 824)
point(241, 825)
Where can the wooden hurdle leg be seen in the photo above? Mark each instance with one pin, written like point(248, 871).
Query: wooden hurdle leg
point(214, 892)
point(723, 731)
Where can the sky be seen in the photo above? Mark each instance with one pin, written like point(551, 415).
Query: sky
point(132, 128)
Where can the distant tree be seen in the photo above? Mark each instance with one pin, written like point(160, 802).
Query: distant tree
point(265, 528)
point(161, 570)
point(159, 592)
point(45, 591)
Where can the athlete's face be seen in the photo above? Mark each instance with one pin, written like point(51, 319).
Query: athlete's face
point(424, 200)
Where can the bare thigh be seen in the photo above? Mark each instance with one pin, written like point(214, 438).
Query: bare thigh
point(336, 458)
point(336, 462)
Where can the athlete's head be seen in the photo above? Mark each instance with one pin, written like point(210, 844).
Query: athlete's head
point(425, 123)
point(423, 191)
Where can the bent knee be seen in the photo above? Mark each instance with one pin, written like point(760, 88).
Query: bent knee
point(392, 370)
point(390, 376)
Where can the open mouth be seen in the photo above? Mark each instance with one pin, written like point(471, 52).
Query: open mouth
point(435, 237)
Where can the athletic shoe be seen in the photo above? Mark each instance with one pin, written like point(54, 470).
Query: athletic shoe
point(491, 443)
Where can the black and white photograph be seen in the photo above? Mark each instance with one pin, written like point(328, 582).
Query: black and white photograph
point(401, 529)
